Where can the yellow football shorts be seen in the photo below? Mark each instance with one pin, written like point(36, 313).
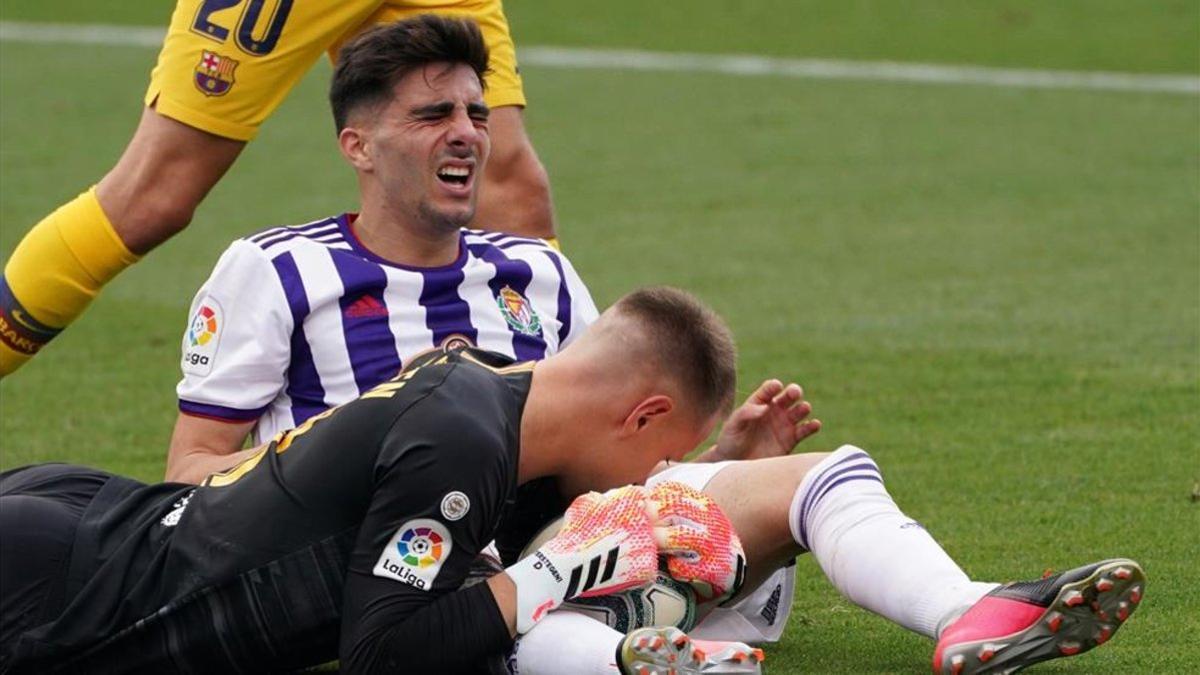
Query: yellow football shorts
point(227, 64)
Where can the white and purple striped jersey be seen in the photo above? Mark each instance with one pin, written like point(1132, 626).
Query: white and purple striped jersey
point(294, 320)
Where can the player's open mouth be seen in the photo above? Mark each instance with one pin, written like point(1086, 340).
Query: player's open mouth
point(456, 176)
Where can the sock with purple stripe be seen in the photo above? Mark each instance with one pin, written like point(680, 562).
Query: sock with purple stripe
point(876, 556)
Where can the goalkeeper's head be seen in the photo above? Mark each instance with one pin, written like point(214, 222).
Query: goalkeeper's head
point(649, 381)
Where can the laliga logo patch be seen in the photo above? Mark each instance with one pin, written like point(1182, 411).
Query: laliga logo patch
point(204, 326)
point(415, 554)
point(214, 73)
point(455, 505)
point(203, 337)
point(518, 312)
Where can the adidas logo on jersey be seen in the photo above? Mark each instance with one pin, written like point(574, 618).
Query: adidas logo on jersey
point(365, 306)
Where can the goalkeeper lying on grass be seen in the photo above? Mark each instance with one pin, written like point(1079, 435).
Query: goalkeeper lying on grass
point(353, 534)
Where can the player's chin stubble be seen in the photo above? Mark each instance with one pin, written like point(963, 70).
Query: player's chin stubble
point(445, 222)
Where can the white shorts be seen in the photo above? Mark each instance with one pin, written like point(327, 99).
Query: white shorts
point(760, 616)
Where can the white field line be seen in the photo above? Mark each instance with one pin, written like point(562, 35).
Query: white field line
point(725, 64)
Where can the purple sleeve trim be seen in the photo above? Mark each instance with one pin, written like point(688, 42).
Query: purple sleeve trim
point(220, 412)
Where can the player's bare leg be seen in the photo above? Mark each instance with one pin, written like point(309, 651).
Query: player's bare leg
point(165, 172)
point(515, 196)
point(63, 262)
point(756, 495)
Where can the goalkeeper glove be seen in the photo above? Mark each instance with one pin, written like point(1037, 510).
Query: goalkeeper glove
point(698, 540)
point(606, 545)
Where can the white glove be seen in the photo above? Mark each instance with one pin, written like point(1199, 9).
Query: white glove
point(606, 545)
point(698, 540)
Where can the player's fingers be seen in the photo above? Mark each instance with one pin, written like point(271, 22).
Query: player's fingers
point(676, 534)
point(788, 396)
point(766, 391)
point(807, 428)
point(615, 505)
point(804, 409)
point(672, 540)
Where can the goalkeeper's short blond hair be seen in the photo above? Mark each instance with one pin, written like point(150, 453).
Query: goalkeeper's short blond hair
point(688, 342)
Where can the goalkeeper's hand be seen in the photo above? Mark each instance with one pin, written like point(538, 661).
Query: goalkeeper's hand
point(606, 545)
point(699, 542)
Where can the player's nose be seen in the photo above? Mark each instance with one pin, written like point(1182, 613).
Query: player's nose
point(464, 130)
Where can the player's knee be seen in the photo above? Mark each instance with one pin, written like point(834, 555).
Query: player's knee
point(172, 213)
point(166, 170)
point(152, 217)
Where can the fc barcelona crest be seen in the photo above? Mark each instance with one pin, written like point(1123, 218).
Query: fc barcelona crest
point(518, 312)
point(214, 73)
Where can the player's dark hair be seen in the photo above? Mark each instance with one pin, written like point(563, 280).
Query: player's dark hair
point(689, 341)
point(371, 63)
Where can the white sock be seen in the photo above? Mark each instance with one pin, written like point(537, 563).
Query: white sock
point(878, 558)
point(565, 642)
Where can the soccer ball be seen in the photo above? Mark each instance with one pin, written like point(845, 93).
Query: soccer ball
point(665, 602)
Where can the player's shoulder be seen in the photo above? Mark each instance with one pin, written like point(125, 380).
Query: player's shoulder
point(329, 232)
point(479, 373)
point(472, 396)
point(462, 378)
point(508, 245)
point(474, 386)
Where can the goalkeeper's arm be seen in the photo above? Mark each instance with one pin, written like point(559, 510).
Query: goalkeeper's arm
point(606, 545)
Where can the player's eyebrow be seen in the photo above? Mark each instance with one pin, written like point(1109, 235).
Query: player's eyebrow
point(433, 109)
point(444, 108)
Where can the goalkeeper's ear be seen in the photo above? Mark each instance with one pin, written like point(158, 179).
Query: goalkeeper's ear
point(647, 414)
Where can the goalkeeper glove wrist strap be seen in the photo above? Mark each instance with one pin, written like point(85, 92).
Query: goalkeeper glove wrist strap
point(540, 585)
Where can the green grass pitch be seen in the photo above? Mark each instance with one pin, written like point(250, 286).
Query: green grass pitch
point(996, 291)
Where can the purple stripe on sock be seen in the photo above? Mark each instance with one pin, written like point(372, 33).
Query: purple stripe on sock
point(831, 482)
point(564, 299)
point(816, 484)
point(853, 457)
point(369, 340)
point(304, 383)
point(446, 313)
point(871, 476)
point(818, 488)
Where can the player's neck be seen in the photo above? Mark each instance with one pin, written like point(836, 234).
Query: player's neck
point(537, 457)
point(386, 236)
point(545, 440)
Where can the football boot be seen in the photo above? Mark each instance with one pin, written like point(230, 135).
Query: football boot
point(669, 651)
point(1024, 622)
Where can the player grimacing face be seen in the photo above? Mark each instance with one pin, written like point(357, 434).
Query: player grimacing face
point(429, 144)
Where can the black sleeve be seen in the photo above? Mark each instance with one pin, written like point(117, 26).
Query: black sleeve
point(457, 633)
point(444, 474)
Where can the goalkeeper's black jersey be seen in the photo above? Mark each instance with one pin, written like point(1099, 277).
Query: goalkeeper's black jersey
point(359, 525)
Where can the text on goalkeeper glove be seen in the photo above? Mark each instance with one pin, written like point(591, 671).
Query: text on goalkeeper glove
point(606, 545)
